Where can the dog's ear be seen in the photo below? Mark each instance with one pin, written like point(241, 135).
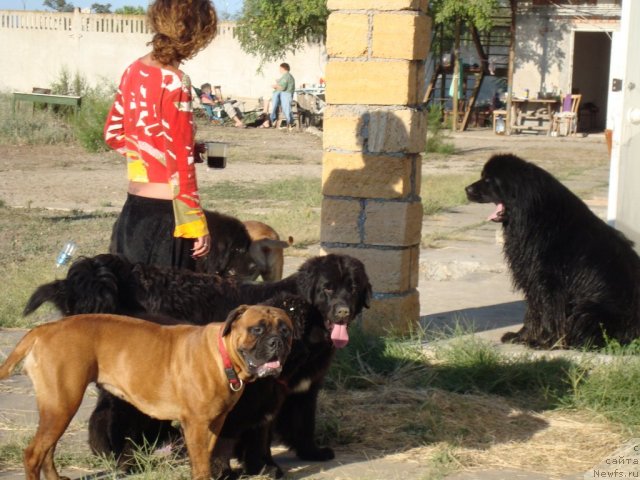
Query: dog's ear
point(307, 279)
point(234, 315)
point(365, 296)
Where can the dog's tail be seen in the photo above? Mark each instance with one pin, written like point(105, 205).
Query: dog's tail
point(93, 285)
point(22, 350)
point(270, 243)
point(54, 292)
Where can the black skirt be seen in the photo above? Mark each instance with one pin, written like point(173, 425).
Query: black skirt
point(143, 233)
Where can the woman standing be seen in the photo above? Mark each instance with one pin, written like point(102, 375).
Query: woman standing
point(161, 222)
point(151, 124)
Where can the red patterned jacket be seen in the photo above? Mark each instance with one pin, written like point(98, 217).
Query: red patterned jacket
point(151, 123)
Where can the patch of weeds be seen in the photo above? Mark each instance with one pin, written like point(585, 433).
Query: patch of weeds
point(11, 452)
point(443, 462)
point(438, 140)
point(330, 430)
point(371, 361)
point(611, 389)
point(148, 464)
point(291, 206)
point(88, 127)
point(29, 126)
point(31, 240)
point(613, 347)
point(468, 364)
point(442, 192)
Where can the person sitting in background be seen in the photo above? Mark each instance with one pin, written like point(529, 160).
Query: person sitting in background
point(283, 91)
point(209, 101)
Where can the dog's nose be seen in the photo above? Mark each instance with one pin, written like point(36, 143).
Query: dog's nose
point(469, 189)
point(342, 312)
point(275, 343)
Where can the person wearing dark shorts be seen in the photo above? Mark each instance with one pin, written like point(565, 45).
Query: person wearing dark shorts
point(151, 124)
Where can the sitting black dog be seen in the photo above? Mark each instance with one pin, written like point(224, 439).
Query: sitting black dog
point(335, 289)
point(229, 247)
point(580, 277)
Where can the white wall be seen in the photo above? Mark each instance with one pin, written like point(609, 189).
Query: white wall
point(34, 46)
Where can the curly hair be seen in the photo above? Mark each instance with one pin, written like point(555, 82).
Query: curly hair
point(181, 28)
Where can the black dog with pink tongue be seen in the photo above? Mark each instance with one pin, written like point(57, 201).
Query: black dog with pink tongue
point(284, 407)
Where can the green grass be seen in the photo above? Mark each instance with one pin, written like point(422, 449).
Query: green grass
point(291, 206)
point(442, 192)
point(31, 239)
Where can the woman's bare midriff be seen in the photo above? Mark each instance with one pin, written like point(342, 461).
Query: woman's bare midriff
point(151, 190)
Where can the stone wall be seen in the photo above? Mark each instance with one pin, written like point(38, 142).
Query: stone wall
point(374, 133)
point(35, 46)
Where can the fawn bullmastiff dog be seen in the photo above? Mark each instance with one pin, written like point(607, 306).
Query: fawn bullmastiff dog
point(266, 251)
point(189, 373)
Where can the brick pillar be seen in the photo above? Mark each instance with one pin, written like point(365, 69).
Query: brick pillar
point(373, 136)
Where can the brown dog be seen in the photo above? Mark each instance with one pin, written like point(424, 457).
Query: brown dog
point(188, 373)
point(266, 251)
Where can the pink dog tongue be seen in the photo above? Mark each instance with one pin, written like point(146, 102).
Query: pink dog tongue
point(494, 216)
point(269, 368)
point(339, 336)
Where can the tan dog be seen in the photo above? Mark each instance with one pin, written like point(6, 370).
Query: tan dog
point(188, 373)
point(266, 250)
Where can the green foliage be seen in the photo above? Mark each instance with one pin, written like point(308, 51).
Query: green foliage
point(101, 7)
point(59, 5)
point(31, 126)
point(272, 28)
point(476, 12)
point(437, 139)
point(610, 389)
point(129, 10)
point(88, 127)
point(89, 124)
point(67, 84)
point(444, 191)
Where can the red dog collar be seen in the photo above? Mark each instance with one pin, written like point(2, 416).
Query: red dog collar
point(235, 383)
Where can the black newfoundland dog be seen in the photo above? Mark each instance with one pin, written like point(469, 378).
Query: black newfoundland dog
point(580, 277)
point(322, 298)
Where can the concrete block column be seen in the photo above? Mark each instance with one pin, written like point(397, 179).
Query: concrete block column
point(374, 133)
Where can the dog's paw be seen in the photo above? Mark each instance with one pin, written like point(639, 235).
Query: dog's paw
point(316, 454)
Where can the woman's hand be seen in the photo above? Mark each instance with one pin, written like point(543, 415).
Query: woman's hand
point(201, 246)
point(199, 149)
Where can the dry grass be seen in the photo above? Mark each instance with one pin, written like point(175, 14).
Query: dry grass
point(477, 431)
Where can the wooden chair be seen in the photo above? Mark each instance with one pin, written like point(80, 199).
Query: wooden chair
point(566, 122)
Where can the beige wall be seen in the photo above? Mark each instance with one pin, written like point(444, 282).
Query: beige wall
point(34, 46)
point(544, 51)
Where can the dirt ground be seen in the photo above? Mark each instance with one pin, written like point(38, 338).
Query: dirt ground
point(66, 177)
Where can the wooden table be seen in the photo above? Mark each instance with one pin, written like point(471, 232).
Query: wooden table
point(539, 110)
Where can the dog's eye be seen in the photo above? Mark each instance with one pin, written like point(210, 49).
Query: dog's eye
point(257, 331)
point(285, 331)
point(487, 180)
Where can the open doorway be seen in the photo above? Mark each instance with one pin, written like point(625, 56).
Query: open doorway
point(590, 78)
